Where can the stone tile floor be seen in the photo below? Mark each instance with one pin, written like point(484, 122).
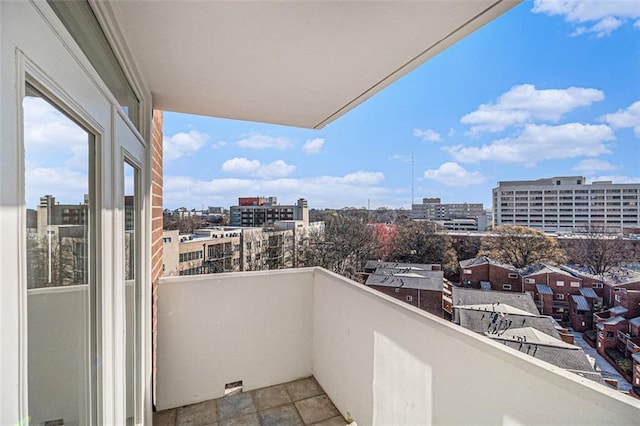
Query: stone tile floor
point(302, 402)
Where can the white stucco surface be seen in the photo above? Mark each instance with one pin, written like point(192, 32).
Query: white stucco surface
point(379, 360)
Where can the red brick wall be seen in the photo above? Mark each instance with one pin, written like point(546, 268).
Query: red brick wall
point(629, 299)
point(427, 300)
point(495, 274)
point(156, 230)
point(478, 273)
point(499, 276)
point(431, 301)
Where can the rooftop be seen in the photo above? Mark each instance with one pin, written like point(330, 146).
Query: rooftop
point(469, 296)
point(483, 260)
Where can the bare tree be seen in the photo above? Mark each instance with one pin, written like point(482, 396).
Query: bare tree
point(418, 242)
point(598, 250)
point(521, 246)
point(344, 247)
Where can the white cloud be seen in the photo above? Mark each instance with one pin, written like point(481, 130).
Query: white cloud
point(46, 128)
point(594, 165)
point(241, 165)
point(524, 103)
point(278, 168)
point(259, 141)
point(313, 146)
point(628, 117)
point(353, 189)
point(183, 144)
point(452, 174)
point(427, 135)
point(68, 186)
point(540, 142)
point(599, 17)
point(218, 144)
point(362, 178)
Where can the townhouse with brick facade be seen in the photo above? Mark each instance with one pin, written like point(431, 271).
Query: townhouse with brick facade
point(550, 288)
point(419, 287)
point(488, 274)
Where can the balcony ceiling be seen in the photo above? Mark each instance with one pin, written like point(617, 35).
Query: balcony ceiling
point(301, 64)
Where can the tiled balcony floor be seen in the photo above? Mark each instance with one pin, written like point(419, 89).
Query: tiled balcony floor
point(302, 402)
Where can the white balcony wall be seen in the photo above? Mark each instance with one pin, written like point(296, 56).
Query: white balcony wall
point(221, 328)
point(379, 360)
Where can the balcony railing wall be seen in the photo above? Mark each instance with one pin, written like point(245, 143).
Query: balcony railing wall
point(379, 360)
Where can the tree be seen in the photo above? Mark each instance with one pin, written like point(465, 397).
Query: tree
point(521, 246)
point(418, 242)
point(344, 247)
point(598, 250)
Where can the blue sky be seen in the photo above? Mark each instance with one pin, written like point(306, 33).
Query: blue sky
point(550, 88)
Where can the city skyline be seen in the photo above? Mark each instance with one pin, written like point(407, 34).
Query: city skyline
point(548, 89)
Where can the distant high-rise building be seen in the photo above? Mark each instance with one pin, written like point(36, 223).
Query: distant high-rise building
point(567, 203)
point(261, 211)
point(434, 210)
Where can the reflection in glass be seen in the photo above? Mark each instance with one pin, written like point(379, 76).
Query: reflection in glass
point(60, 309)
point(132, 289)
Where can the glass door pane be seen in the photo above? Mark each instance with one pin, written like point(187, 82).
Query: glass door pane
point(132, 290)
point(61, 309)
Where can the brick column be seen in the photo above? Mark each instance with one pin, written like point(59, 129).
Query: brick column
point(156, 233)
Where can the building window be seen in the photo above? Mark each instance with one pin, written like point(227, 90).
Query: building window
point(409, 298)
point(560, 283)
point(467, 271)
point(529, 281)
point(397, 290)
point(560, 296)
point(506, 286)
point(618, 299)
point(513, 275)
point(597, 285)
point(575, 284)
point(166, 239)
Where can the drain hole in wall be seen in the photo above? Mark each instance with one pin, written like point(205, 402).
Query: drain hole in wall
point(233, 388)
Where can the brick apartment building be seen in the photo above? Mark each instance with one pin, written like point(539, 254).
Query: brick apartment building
point(415, 284)
point(488, 274)
point(551, 288)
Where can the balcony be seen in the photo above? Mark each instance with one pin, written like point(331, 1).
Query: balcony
point(379, 360)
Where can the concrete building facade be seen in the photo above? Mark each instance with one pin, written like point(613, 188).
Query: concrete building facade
point(567, 203)
point(260, 211)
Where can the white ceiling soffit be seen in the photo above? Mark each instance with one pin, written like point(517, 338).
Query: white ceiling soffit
point(300, 64)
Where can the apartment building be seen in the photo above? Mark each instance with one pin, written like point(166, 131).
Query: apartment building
point(227, 249)
point(419, 285)
point(263, 211)
point(434, 209)
point(566, 204)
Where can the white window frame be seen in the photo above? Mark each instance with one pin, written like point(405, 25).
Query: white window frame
point(56, 66)
point(529, 281)
point(467, 271)
point(559, 296)
point(409, 298)
point(506, 286)
point(575, 284)
point(560, 283)
point(513, 275)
